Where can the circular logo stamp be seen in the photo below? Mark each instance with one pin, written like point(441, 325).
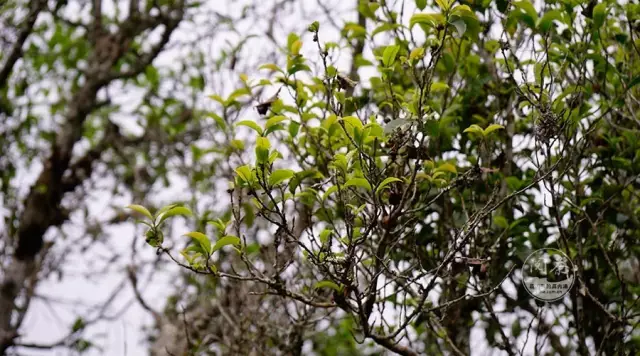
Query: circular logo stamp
point(548, 274)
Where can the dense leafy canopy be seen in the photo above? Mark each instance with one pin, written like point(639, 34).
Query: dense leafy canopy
point(407, 189)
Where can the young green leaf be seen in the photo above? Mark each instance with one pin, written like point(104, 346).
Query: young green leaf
point(271, 66)
point(447, 167)
point(280, 175)
point(599, 14)
point(358, 182)
point(201, 239)
point(275, 120)
point(154, 237)
point(474, 129)
point(443, 4)
point(324, 235)
point(389, 55)
point(353, 121)
point(416, 53)
point(327, 284)
point(491, 128)
point(250, 124)
point(225, 241)
point(431, 20)
point(439, 87)
point(141, 209)
point(244, 172)
point(331, 190)
point(527, 12)
point(386, 182)
point(545, 22)
point(180, 210)
point(78, 325)
point(164, 209)
point(295, 47)
point(262, 149)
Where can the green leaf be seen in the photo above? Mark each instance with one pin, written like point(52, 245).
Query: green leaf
point(491, 128)
point(141, 209)
point(274, 120)
point(500, 221)
point(353, 121)
point(635, 81)
point(201, 239)
point(444, 4)
point(527, 12)
point(250, 124)
point(294, 128)
point(219, 120)
point(244, 172)
point(431, 20)
point(358, 182)
point(460, 26)
point(225, 241)
point(389, 55)
point(78, 325)
point(217, 98)
point(314, 27)
point(421, 4)
point(331, 190)
point(280, 175)
point(179, 210)
point(295, 47)
point(291, 40)
point(324, 235)
point(262, 149)
point(154, 237)
point(327, 284)
point(152, 75)
point(416, 53)
point(237, 94)
point(462, 10)
point(447, 167)
point(384, 28)
point(271, 66)
point(545, 22)
point(386, 182)
point(474, 129)
point(438, 87)
point(599, 14)
point(164, 209)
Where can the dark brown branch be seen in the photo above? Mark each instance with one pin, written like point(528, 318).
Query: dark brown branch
point(16, 51)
